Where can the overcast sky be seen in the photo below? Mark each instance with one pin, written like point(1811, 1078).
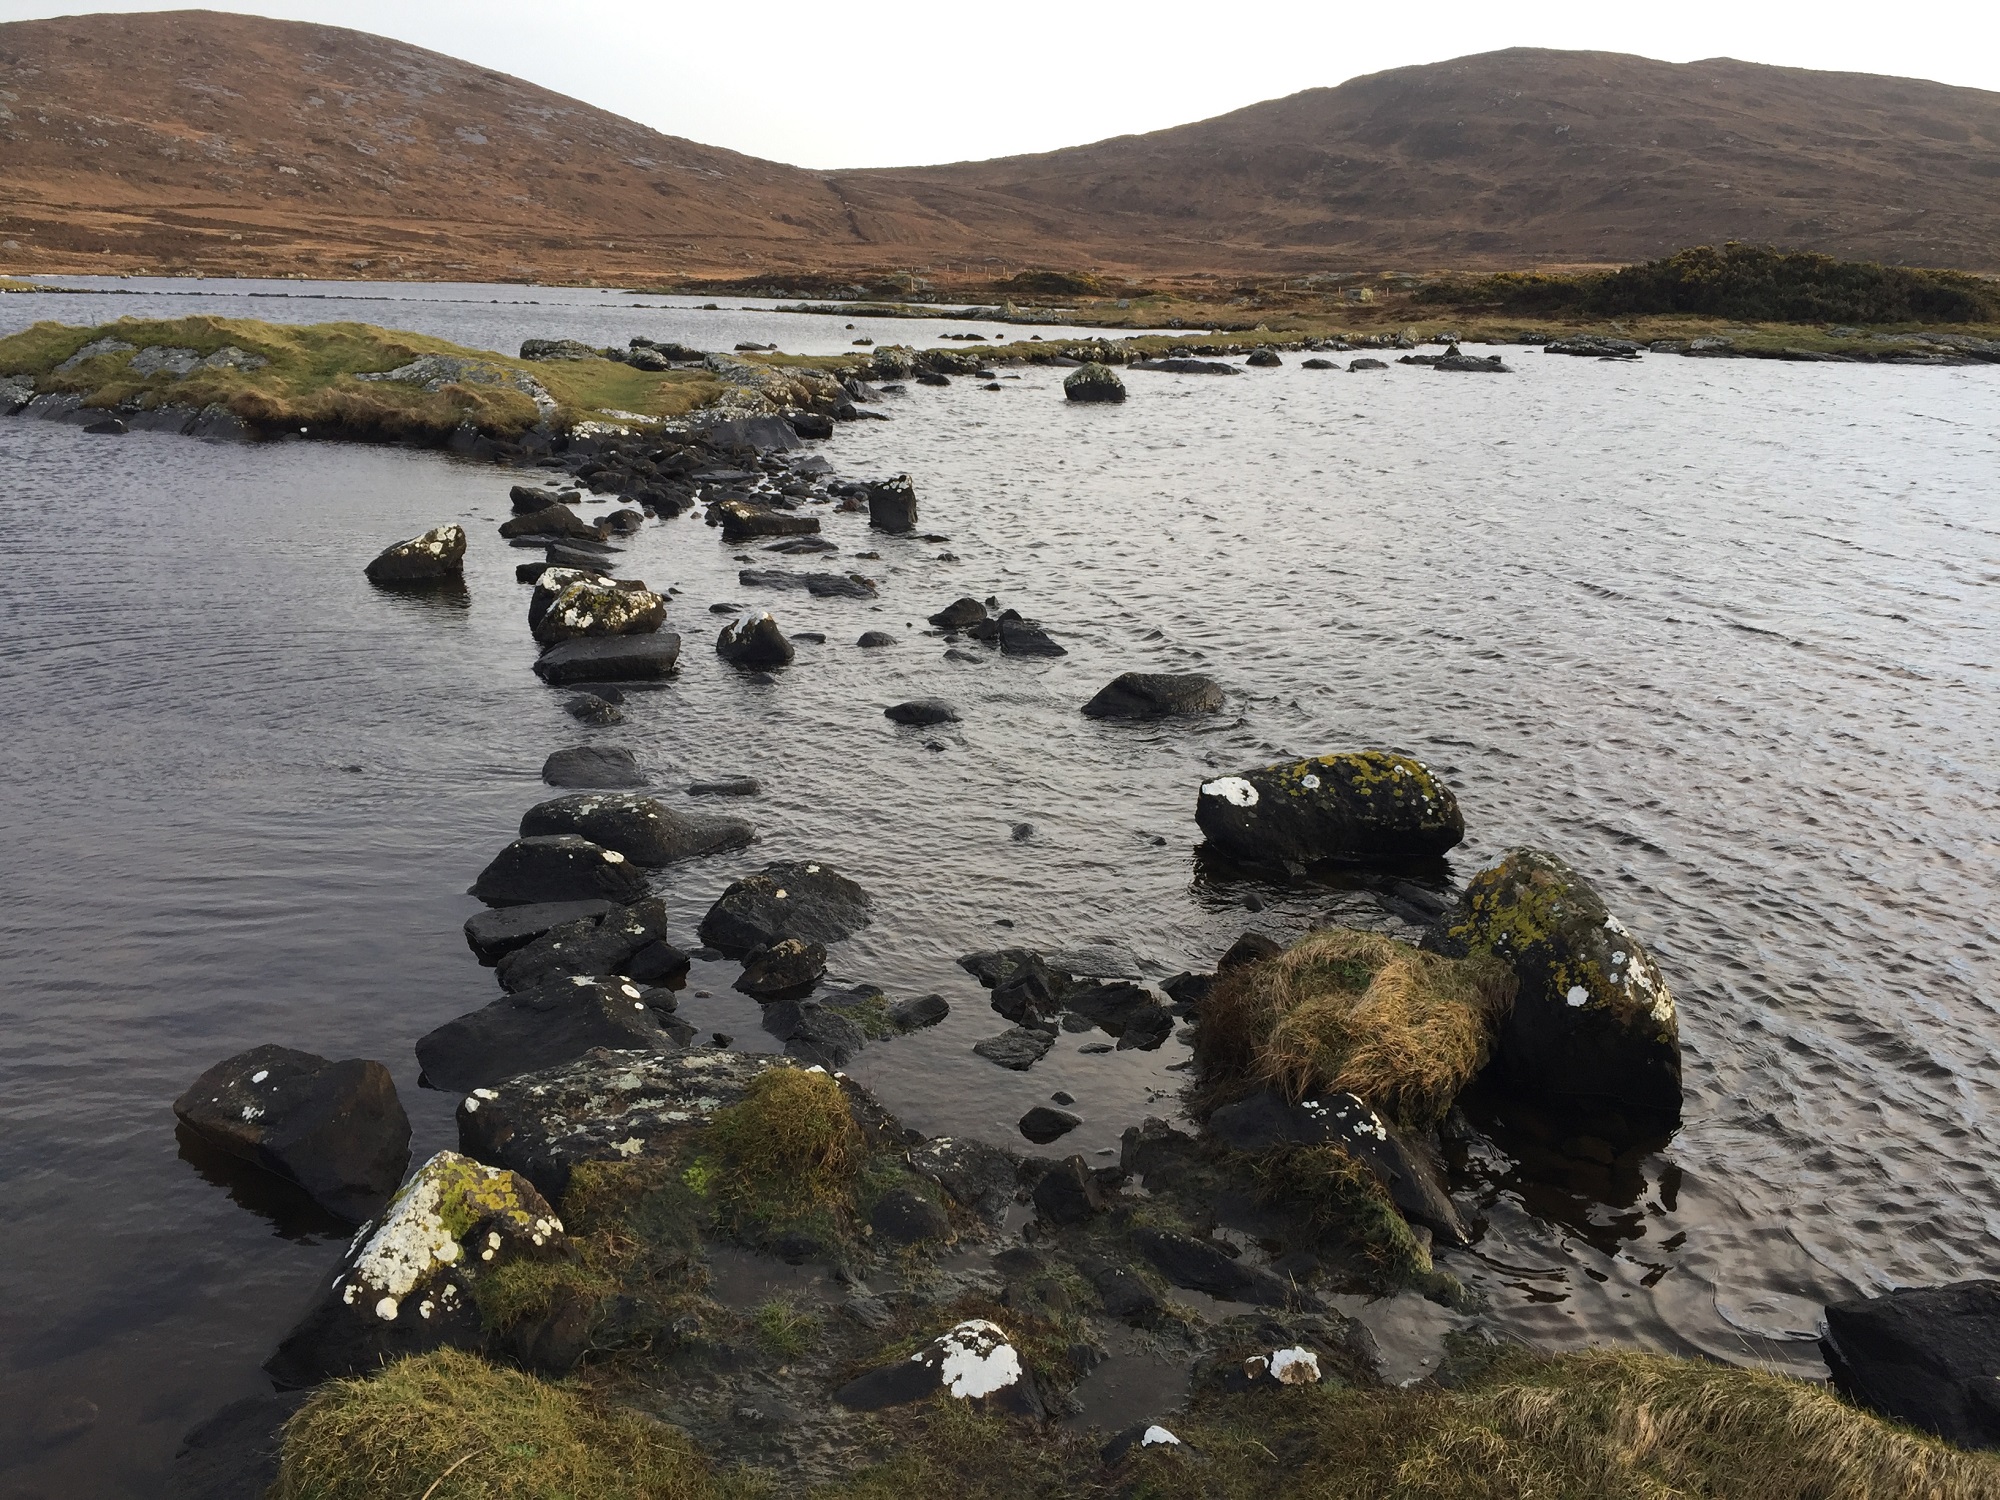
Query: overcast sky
point(892, 82)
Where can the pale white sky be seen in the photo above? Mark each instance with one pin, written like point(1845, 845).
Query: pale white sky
point(899, 82)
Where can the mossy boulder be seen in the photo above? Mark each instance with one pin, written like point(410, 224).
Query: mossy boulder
point(1370, 806)
point(407, 1285)
point(1592, 1023)
point(438, 556)
point(590, 608)
point(1094, 382)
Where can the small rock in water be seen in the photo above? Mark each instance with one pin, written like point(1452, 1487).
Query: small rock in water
point(1061, 1096)
point(792, 898)
point(1024, 637)
point(1019, 1048)
point(643, 829)
point(109, 427)
point(789, 966)
point(727, 786)
point(593, 766)
point(563, 868)
point(875, 639)
point(492, 935)
point(913, 1015)
point(1263, 358)
point(1022, 832)
point(1094, 382)
point(587, 708)
point(1153, 695)
point(438, 556)
point(617, 658)
point(1043, 1124)
point(959, 614)
point(922, 711)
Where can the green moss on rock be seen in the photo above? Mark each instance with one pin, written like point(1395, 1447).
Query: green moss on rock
point(1366, 805)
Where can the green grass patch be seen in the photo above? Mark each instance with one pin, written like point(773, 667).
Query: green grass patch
point(788, 1151)
point(784, 1328)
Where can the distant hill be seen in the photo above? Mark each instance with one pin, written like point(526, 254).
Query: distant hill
point(225, 143)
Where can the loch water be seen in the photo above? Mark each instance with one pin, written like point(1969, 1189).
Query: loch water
point(1721, 633)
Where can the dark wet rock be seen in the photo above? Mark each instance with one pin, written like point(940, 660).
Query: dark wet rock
point(959, 614)
point(107, 427)
point(526, 500)
point(552, 521)
point(810, 424)
point(643, 829)
point(1264, 358)
point(727, 786)
point(593, 766)
point(802, 546)
point(1201, 1266)
point(892, 504)
point(407, 1287)
point(1591, 345)
point(872, 640)
point(914, 1015)
point(593, 945)
point(819, 585)
point(234, 1455)
point(1186, 366)
point(974, 1175)
point(1146, 1030)
point(922, 711)
point(756, 642)
point(1592, 1020)
point(572, 554)
point(1043, 1124)
point(594, 609)
point(1153, 695)
point(622, 522)
point(1316, 364)
point(605, 1106)
point(787, 967)
point(1188, 991)
point(973, 1362)
point(1068, 1193)
point(588, 708)
point(906, 1216)
point(1268, 1120)
point(438, 556)
point(793, 898)
point(1368, 805)
point(1019, 1048)
point(814, 1034)
point(620, 658)
point(336, 1129)
point(1124, 1294)
point(1157, 1152)
point(1251, 948)
point(558, 868)
point(1026, 987)
point(1367, 364)
point(657, 964)
point(745, 520)
point(1120, 1007)
point(1471, 364)
point(499, 931)
point(1094, 382)
point(556, 1021)
point(1928, 1356)
point(1021, 637)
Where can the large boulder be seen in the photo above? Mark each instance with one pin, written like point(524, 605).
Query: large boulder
point(1366, 805)
point(336, 1129)
point(1592, 1023)
point(588, 608)
point(407, 1287)
point(1154, 695)
point(605, 1106)
point(755, 641)
point(438, 556)
point(892, 504)
point(618, 658)
point(560, 867)
point(593, 765)
point(1929, 1356)
point(553, 1022)
point(643, 829)
point(793, 898)
point(1094, 382)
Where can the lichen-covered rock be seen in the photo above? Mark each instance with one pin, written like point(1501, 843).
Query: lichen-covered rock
point(793, 898)
point(1154, 695)
point(540, 1026)
point(604, 1106)
point(973, 1362)
point(618, 658)
point(438, 556)
point(1366, 805)
point(1593, 1021)
point(755, 641)
point(892, 504)
point(336, 1129)
point(560, 867)
point(643, 829)
point(1094, 382)
point(407, 1284)
point(587, 608)
point(551, 581)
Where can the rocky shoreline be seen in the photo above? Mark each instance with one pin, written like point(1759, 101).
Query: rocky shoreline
point(738, 1263)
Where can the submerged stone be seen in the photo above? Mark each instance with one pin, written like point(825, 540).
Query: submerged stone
point(1154, 695)
point(593, 765)
point(620, 658)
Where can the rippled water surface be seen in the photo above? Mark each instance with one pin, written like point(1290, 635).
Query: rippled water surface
point(1722, 634)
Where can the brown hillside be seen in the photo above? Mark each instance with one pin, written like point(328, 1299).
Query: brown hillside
point(193, 140)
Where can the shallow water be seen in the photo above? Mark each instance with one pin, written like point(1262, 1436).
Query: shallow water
point(1722, 634)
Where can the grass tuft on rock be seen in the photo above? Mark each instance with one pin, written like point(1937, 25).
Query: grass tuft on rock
point(1344, 1204)
point(449, 1426)
point(788, 1149)
point(1343, 1010)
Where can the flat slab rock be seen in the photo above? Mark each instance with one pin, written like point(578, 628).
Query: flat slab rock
point(1018, 1048)
point(609, 1105)
point(626, 940)
point(539, 1027)
point(495, 933)
point(643, 829)
point(592, 766)
point(615, 658)
point(336, 1129)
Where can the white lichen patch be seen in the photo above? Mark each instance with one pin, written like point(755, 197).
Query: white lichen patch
point(1156, 1435)
point(1295, 1366)
point(1234, 790)
point(1309, 781)
point(974, 1359)
point(1577, 996)
point(414, 1241)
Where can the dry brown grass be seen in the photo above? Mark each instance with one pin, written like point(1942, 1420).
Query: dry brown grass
point(788, 1147)
point(1343, 1010)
